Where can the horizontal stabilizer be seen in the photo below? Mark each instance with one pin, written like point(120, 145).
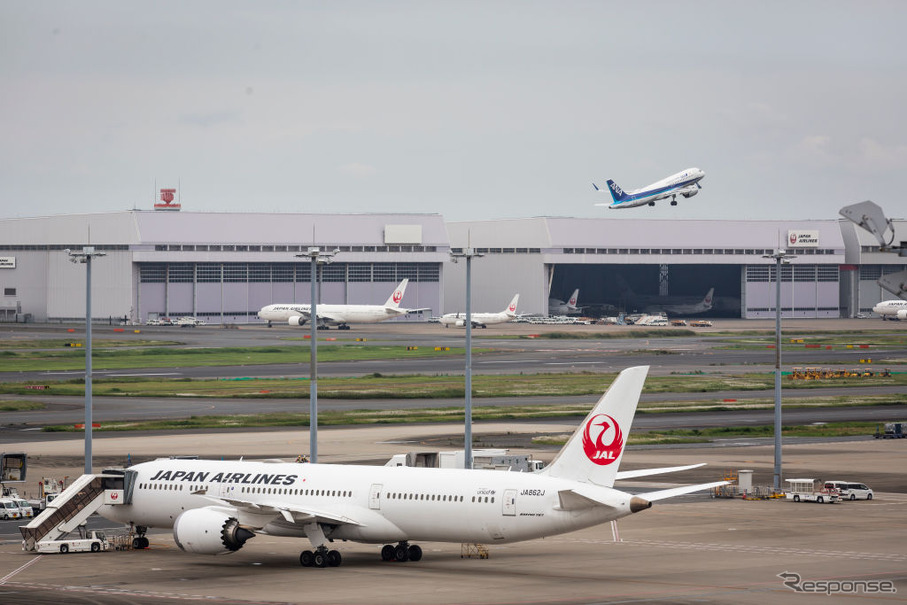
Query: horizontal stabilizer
point(680, 491)
point(646, 472)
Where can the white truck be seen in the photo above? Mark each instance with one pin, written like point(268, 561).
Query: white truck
point(804, 490)
point(88, 541)
point(496, 459)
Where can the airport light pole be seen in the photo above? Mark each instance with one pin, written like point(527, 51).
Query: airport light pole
point(468, 254)
point(84, 257)
point(779, 256)
point(317, 257)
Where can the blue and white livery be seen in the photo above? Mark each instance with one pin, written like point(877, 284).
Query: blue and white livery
point(685, 183)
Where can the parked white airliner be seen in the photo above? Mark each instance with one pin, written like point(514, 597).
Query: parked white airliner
point(685, 309)
point(481, 320)
point(338, 314)
point(559, 307)
point(214, 507)
point(891, 309)
point(684, 183)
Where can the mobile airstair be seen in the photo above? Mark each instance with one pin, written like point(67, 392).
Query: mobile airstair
point(79, 501)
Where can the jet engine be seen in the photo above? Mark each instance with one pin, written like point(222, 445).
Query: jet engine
point(297, 320)
point(689, 192)
point(207, 531)
point(902, 314)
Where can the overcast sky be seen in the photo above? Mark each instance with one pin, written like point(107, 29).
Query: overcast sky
point(474, 110)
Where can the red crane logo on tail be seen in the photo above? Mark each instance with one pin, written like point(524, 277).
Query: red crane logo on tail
point(596, 449)
point(398, 296)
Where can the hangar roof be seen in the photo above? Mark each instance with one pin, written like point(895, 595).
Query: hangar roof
point(558, 232)
point(149, 227)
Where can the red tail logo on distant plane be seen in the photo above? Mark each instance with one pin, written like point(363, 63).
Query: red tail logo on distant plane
point(398, 296)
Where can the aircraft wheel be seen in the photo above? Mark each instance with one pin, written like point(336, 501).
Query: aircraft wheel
point(334, 558)
point(95, 547)
point(64, 548)
point(651, 203)
point(387, 553)
point(674, 203)
point(320, 560)
point(307, 558)
point(415, 552)
point(401, 553)
point(796, 498)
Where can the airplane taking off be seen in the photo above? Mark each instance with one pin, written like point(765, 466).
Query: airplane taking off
point(559, 307)
point(684, 183)
point(216, 506)
point(891, 309)
point(337, 314)
point(680, 309)
point(481, 320)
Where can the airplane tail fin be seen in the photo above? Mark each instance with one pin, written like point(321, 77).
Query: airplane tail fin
point(709, 298)
point(571, 302)
point(593, 453)
point(617, 194)
point(397, 296)
point(511, 308)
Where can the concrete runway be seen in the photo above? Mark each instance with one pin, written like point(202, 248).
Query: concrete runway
point(692, 550)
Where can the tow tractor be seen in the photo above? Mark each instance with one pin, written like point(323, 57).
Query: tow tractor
point(88, 541)
point(804, 490)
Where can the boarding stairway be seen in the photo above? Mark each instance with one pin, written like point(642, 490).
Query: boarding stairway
point(79, 501)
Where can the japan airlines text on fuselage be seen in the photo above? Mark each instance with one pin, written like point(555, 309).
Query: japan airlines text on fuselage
point(338, 314)
point(894, 309)
point(684, 183)
point(481, 320)
point(214, 507)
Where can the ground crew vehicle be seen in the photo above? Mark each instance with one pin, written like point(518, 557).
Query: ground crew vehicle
point(804, 490)
point(850, 490)
point(9, 509)
point(88, 541)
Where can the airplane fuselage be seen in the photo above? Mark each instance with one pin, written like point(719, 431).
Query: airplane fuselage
point(388, 504)
point(337, 314)
point(685, 183)
point(893, 309)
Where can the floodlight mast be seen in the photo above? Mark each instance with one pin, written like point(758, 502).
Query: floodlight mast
point(468, 253)
point(869, 216)
point(84, 257)
point(317, 257)
point(779, 256)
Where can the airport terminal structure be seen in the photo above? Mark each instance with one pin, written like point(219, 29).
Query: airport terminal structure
point(223, 267)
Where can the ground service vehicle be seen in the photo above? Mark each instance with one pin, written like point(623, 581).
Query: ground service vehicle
point(88, 541)
point(8, 509)
point(804, 490)
point(850, 490)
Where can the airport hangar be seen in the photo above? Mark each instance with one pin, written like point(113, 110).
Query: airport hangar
point(223, 267)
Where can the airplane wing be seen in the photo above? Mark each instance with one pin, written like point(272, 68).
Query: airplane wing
point(646, 472)
point(327, 318)
point(679, 491)
point(290, 512)
point(422, 310)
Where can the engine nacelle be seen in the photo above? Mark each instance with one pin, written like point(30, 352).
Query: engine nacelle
point(689, 192)
point(206, 531)
point(297, 320)
point(902, 314)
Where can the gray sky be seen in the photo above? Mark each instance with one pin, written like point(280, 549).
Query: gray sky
point(474, 110)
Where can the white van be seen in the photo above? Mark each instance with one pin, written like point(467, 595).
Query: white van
point(850, 490)
point(25, 509)
point(8, 509)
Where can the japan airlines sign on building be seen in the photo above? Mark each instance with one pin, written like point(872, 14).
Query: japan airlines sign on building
point(803, 239)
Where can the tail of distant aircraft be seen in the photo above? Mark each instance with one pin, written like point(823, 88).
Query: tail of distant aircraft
point(707, 301)
point(511, 308)
point(594, 451)
point(571, 302)
point(397, 296)
point(617, 194)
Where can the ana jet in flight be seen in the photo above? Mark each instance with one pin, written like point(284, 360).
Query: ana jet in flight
point(216, 506)
point(891, 309)
point(338, 315)
point(684, 183)
point(481, 320)
point(559, 307)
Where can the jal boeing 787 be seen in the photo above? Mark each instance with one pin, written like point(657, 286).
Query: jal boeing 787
point(337, 314)
point(684, 183)
point(216, 506)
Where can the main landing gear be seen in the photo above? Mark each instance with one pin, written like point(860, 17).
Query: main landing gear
point(674, 200)
point(321, 557)
point(401, 553)
point(140, 541)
